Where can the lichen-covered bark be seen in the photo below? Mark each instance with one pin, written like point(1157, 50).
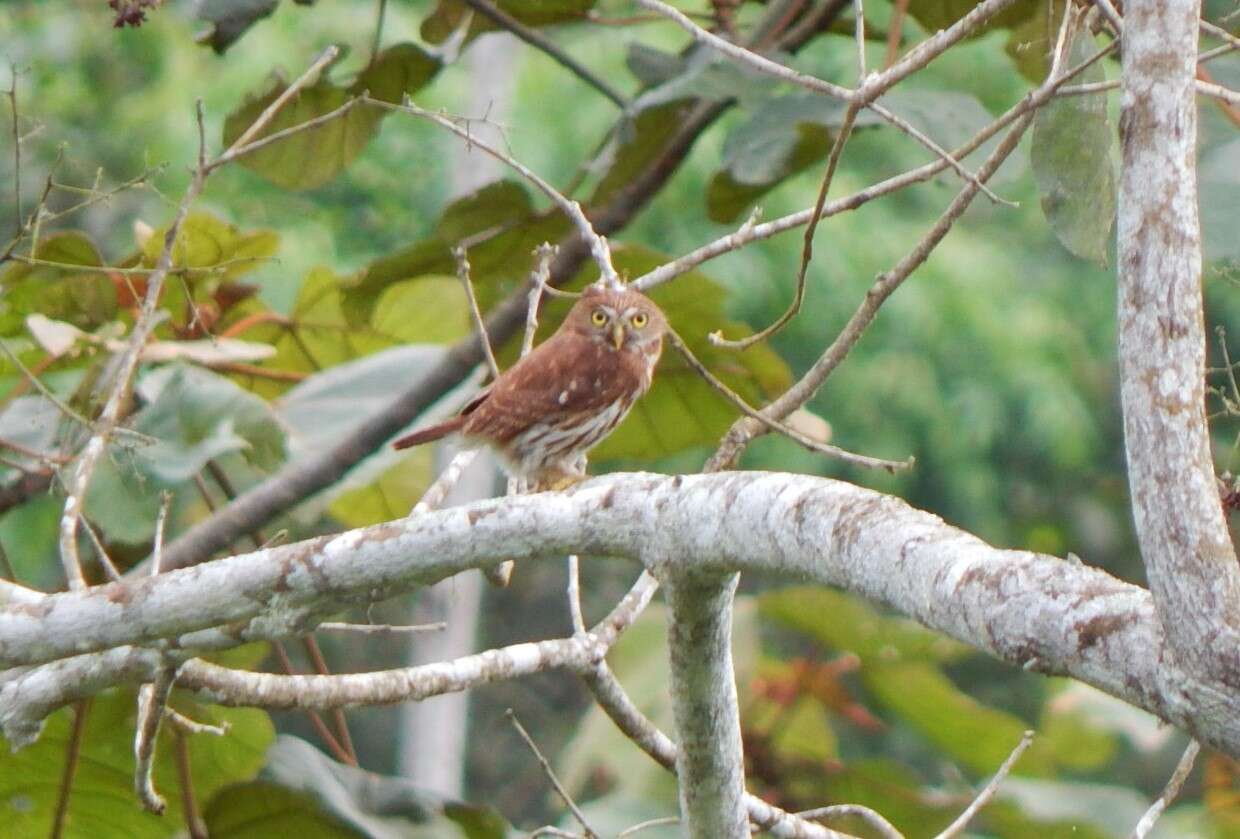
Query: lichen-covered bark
point(709, 764)
point(1029, 609)
point(1188, 555)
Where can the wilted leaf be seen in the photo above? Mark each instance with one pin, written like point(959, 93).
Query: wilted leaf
point(1071, 154)
point(102, 800)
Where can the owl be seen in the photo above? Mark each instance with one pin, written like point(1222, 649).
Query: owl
point(544, 413)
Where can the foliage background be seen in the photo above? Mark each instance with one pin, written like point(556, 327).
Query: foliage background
point(994, 366)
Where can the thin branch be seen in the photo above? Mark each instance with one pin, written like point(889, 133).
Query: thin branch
point(895, 28)
point(444, 482)
point(886, 284)
point(160, 520)
point(462, 273)
point(538, 284)
point(988, 791)
point(598, 244)
point(1177, 779)
point(1108, 11)
point(378, 38)
point(646, 825)
point(875, 820)
point(338, 718)
point(152, 699)
point(702, 370)
point(550, 773)
point(17, 152)
point(574, 595)
point(185, 781)
point(380, 628)
point(316, 722)
point(327, 56)
point(540, 42)
point(73, 751)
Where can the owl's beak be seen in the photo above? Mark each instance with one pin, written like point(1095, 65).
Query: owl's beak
point(617, 334)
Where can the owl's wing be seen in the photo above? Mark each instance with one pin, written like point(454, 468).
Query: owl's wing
point(564, 376)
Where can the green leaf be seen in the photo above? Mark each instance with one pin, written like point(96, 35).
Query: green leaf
point(331, 404)
point(102, 802)
point(260, 809)
point(846, 623)
point(449, 15)
point(370, 803)
point(1071, 155)
point(652, 66)
point(429, 310)
point(785, 135)
point(193, 416)
point(398, 70)
point(313, 157)
point(207, 241)
point(501, 203)
point(85, 299)
point(637, 145)
point(976, 736)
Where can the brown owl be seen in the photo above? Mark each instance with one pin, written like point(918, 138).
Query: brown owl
point(544, 413)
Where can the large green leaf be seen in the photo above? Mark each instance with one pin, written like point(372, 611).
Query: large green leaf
point(313, 157)
point(373, 805)
point(102, 801)
point(259, 809)
point(1071, 154)
point(845, 623)
point(206, 241)
point(191, 416)
point(637, 145)
point(505, 230)
point(85, 299)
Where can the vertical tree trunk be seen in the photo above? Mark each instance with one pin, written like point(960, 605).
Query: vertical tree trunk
point(1188, 555)
point(710, 765)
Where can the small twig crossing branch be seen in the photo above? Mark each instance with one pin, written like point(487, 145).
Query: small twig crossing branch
point(1174, 783)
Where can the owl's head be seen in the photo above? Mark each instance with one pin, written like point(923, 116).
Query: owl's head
point(622, 319)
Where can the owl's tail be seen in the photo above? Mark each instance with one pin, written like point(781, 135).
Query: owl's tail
point(426, 435)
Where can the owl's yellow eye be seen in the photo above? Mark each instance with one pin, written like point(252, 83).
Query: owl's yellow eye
point(639, 320)
point(598, 317)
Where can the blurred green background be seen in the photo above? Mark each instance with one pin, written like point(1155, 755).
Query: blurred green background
point(994, 366)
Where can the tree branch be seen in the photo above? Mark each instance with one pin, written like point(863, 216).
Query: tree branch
point(1185, 545)
point(1028, 609)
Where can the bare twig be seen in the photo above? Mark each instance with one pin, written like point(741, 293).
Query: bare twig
point(1177, 779)
point(158, 553)
point(327, 56)
point(73, 751)
point(796, 396)
point(338, 718)
point(988, 791)
point(895, 29)
point(775, 425)
point(380, 628)
point(550, 773)
point(152, 699)
point(574, 595)
point(538, 284)
point(646, 825)
point(185, 781)
point(312, 714)
point(540, 42)
point(880, 825)
point(378, 39)
point(438, 491)
point(17, 152)
point(462, 272)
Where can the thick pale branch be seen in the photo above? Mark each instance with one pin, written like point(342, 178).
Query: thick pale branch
point(1185, 544)
point(1028, 609)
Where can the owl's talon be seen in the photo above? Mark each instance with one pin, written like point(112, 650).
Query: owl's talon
point(561, 482)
